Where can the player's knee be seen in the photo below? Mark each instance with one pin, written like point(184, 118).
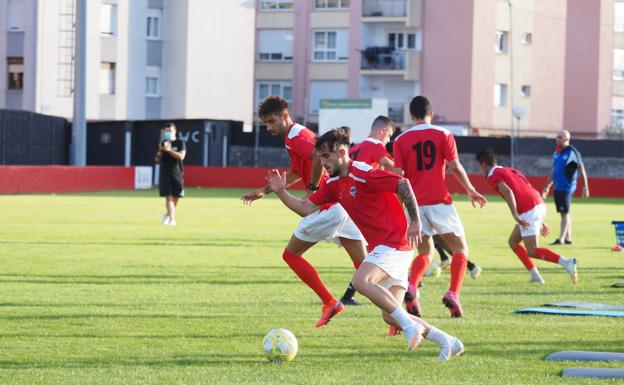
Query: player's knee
point(531, 251)
point(361, 282)
point(512, 243)
point(289, 257)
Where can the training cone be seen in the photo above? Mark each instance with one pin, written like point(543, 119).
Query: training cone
point(617, 248)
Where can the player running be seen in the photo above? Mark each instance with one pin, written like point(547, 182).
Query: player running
point(370, 197)
point(422, 154)
point(330, 222)
point(528, 210)
point(372, 150)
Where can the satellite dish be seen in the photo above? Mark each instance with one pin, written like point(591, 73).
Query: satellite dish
point(518, 112)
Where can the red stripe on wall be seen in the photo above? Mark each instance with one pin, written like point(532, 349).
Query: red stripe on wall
point(58, 179)
point(49, 179)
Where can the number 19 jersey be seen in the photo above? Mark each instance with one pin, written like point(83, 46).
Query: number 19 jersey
point(422, 152)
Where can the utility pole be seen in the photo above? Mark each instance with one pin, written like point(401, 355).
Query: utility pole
point(78, 148)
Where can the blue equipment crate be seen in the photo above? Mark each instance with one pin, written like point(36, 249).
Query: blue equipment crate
point(619, 232)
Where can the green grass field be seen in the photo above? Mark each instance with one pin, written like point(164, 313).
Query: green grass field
point(93, 290)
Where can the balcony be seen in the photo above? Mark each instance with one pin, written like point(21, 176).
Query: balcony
point(384, 8)
point(383, 58)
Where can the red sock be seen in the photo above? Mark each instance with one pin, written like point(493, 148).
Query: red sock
point(357, 265)
point(419, 267)
point(524, 257)
point(458, 268)
point(307, 273)
point(546, 255)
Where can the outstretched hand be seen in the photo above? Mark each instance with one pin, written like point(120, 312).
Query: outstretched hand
point(277, 181)
point(475, 198)
point(253, 196)
point(544, 230)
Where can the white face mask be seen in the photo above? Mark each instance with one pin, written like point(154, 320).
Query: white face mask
point(168, 135)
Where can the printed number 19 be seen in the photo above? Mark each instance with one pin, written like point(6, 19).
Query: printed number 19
point(425, 155)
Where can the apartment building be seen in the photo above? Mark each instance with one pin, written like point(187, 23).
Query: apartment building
point(146, 59)
point(477, 60)
point(618, 66)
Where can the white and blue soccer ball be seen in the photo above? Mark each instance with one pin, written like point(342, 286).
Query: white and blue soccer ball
point(280, 345)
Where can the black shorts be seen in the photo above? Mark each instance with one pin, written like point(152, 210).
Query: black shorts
point(171, 185)
point(563, 200)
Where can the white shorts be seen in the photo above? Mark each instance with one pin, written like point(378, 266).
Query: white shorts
point(394, 262)
point(535, 217)
point(327, 225)
point(440, 219)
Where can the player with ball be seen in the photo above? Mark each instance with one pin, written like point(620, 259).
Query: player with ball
point(370, 198)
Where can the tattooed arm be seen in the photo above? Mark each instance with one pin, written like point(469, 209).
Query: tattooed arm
point(406, 194)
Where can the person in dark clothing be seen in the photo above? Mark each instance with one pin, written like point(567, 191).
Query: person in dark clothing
point(170, 156)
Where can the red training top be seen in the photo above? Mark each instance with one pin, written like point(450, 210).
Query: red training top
point(526, 196)
point(422, 153)
point(369, 151)
point(369, 197)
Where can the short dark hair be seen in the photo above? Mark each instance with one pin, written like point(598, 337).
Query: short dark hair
point(382, 122)
point(170, 125)
point(420, 107)
point(273, 105)
point(331, 140)
point(486, 156)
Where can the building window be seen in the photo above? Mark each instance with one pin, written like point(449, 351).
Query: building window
point(325, 89)
point(618, 18)
point(618, 64)
point(405, 40)
point(330, 45)
point(331, 4)
point(16, 15)
point(527, 38)
point(501, 41)
point(526, 91)
point(108, 19)
point(107, 78)
point(500, 95)
point(276, 5)
point(267, 88)
point(153, 24)
point(15, 68)
point(275, 44)
point(152, 82)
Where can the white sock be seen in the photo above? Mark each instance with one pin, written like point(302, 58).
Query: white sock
point(562, 260)
point(438, 336)
point(534, 272)
point(402, 317)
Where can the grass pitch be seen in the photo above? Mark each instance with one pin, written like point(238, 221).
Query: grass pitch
point(93, 290)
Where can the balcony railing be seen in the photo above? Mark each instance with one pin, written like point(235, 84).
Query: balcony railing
point(383, 58)
point(384, 8)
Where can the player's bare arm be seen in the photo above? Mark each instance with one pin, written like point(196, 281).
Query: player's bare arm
point(278, 183)
point(397, 170)
point(291, 178)
point(462, 177)
point(317, 169)
point(585, 192)
point(508, 196)
point(406, 194)
point(387, 164)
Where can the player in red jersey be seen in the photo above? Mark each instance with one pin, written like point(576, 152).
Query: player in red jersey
point(422, 154)
point(330, 223)
point(528, 210)
point(372, 150)
point(370, 197)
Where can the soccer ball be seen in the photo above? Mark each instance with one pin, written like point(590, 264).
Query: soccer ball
point(280, 345)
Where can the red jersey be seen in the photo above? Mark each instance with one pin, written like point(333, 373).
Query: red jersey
point(300, 146)
point(369, 151)
point(526, 196)
point(422, 153)
point(369, 197)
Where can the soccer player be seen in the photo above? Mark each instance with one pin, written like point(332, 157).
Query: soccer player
point(422, 154)
point(528, 210)
point(372, 150)
point(330, 222)
point(370, 197)
point(567, 162)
